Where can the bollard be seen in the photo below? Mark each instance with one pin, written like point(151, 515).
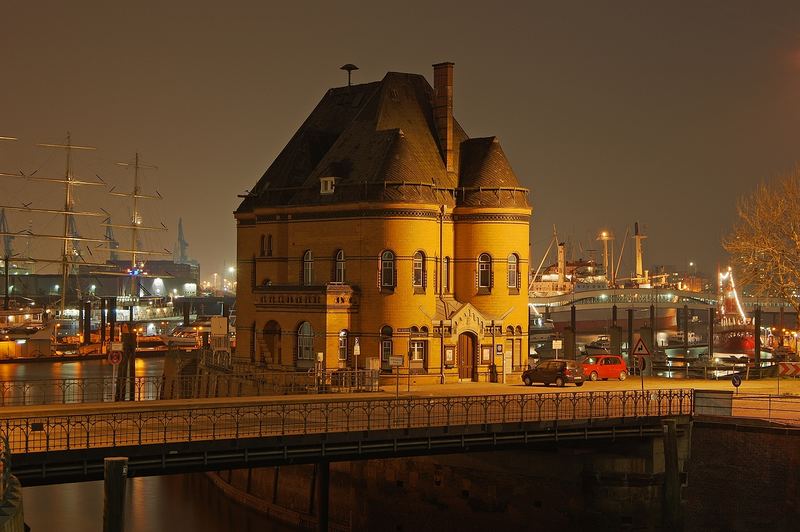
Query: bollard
point(115, 475)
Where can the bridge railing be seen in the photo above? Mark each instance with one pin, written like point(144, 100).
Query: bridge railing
point(156, 425)
point(151, 388)
point(723, 403)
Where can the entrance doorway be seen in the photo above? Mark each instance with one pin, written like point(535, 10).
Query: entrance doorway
point(467, 355)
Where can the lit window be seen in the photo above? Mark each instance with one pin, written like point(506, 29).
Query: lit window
point(484, 271)
point(387, 270)
point(417, 350)
point(513, 270)
point(386, 343)
point(305, 342)
point(343, 344)
point(308, 268)
point(419, 270)
point(339, 273)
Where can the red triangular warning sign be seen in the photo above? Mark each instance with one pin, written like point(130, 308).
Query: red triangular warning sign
point(640, 349)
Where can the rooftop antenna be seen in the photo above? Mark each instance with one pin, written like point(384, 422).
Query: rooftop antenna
point(349, 67)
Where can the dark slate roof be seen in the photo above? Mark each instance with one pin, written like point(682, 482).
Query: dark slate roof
point(379, 141)
point(487, 179)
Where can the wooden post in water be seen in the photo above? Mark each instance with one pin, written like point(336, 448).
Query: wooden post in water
point(115, 475)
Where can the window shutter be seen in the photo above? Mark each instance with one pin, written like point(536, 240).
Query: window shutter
point(491, 278)
point(424, 276)
point(477, 281)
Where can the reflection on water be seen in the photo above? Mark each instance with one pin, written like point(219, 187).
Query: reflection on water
point(75, 369)
point(169, 503)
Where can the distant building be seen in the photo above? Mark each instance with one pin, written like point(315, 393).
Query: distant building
point(382, 222)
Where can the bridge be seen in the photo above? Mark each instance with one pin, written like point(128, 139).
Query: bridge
point(640, 298)
point(68, 443)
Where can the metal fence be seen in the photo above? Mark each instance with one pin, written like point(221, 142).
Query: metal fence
point(780, 408)
point(160, 426)
point(150, 388)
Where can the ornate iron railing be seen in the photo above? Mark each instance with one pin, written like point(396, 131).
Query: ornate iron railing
point(150, 388)
point(159, 425)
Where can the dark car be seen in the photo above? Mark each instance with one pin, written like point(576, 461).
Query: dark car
point(558, 372)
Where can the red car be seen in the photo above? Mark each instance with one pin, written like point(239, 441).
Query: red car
point(604, 367)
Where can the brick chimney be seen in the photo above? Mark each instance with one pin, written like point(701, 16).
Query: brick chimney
point(443, 110)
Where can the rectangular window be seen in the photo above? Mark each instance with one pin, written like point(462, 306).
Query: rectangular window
point(386, 350)
point(417, 350)
point(342, 347)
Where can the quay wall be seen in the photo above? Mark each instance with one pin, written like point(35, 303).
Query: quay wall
point(744, 475)
point(609, 486)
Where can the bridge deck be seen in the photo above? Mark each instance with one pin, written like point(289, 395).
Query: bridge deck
point(68, 442)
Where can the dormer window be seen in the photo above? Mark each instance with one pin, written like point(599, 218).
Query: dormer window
point(327, 185)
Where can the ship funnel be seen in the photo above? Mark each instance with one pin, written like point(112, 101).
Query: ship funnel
point(640, 275)
point(562, 262)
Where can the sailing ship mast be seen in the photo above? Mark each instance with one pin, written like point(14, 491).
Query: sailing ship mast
point(68, 236)
point(135, 224)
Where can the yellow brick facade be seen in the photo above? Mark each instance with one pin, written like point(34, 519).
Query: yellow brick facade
point(383, 223)
point(271, 288)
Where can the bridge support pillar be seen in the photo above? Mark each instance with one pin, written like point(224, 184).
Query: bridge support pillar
point(757, 336)
point(615, 337)
point(103, 309)
point(569, 344)
point(115, 475)
point(630, 337)
point(323, 494)
point(672, 479)
point(712, 316)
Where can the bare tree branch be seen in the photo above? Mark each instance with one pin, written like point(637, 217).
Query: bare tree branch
point(765, 240)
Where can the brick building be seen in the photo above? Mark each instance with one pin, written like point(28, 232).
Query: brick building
point(382, 222)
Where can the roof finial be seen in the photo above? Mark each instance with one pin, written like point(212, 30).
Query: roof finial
point(349, 67)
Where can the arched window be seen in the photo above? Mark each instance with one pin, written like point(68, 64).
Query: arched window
point(387, 273)
point(446, 284)
point(338, 274)
point(343, 344)
point(305, 342)
point(513, 271)
point(308, 268)
point(271, 342)
point(484, 271)
point(510, 330)
point(418, 270)
point(386, 343)
point(262, 248)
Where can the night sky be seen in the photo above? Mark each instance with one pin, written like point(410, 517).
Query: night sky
point(663, 112)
